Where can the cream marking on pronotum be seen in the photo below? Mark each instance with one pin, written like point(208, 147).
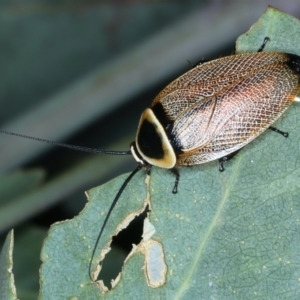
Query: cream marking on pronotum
point(209, 113)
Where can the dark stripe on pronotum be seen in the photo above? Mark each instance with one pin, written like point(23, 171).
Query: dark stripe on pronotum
point(209, 113)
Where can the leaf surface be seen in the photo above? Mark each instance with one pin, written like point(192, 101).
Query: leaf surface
point(7, 283)
point(230, 235)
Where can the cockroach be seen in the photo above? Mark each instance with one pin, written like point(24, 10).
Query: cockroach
point(209, 113)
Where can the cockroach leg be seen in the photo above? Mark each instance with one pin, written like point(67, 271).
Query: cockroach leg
point(261, 48)
point(221, 162)
point(230, 156)
point(226, 158)
point(148, 170)
point(283, 133)
point(176, 173)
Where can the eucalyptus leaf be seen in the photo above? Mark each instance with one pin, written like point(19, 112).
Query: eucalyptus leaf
point(283, 30)
point(7, 282)
point(230, 235)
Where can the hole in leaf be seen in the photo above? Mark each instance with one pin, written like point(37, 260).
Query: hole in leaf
point(121, 246)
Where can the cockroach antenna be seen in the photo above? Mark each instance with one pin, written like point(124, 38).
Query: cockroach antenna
point(108, 215)
point(89, 150)
point(73, 147)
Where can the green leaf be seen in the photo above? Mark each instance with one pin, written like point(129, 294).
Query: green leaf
point(7, 283)
point(68, 248)
point(281, 28)
point(230, 235)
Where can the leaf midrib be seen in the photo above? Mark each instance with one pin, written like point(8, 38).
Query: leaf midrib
point(204, 241)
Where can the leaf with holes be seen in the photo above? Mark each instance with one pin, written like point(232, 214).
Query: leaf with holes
point(230, 235)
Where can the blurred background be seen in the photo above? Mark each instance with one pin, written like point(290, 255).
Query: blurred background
point(82, 72)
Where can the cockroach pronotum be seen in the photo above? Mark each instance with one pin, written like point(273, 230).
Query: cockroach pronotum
point(209, 113)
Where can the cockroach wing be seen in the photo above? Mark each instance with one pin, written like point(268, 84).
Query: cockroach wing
point(208, 79)
point(221, 124)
